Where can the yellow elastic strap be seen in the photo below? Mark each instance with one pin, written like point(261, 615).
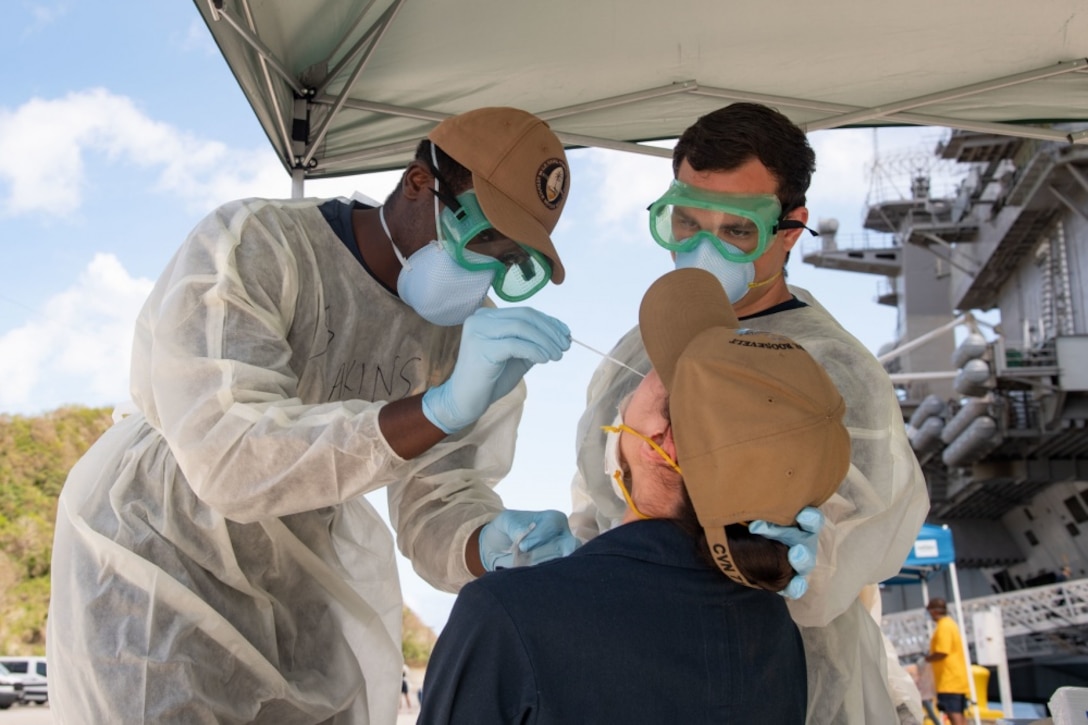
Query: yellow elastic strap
point(660, 451)
point(627, 495)
point(772, 278)
point(619, 476)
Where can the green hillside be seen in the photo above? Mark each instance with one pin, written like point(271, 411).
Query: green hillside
point(35, 456)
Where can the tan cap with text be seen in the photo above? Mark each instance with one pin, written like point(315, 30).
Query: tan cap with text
point(519, 171)
point(757, 421)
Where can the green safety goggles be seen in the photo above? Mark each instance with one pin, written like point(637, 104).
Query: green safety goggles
point(518, 275)
point(740, 226)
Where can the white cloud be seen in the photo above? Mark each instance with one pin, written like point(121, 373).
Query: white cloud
point(77, 348)
point(44, 14)
point(843, 160)
point(43, 145)
point(619, 184)
point(197, 38)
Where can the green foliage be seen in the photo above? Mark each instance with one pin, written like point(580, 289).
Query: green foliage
point(36, 454)
point(22, 630)
point(417, 640)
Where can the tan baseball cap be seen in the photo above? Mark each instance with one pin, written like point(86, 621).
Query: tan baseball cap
point(519, 171)
point(757, 421)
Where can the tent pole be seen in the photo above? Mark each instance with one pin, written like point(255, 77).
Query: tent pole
point(963, 640)
point(925, 601)
point(298, 183)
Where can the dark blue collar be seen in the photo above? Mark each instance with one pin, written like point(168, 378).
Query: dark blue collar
point(658, 541)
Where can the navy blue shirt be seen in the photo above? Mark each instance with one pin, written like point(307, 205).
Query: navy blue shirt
point(634, 627)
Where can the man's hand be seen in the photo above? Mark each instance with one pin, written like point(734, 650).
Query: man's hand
point(498, 346)
point(524, 538)
point(802, 542)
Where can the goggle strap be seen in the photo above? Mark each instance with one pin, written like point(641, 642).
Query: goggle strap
point(450, 201)
point(447, 198)
point(793, 224)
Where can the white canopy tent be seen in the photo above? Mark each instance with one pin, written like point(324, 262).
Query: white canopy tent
point(343, 87)
point(347, 86)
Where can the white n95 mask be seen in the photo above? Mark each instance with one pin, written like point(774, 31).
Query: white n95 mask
point(438, 289)
point(612, 467)
point(736, 277)
point(431, 282)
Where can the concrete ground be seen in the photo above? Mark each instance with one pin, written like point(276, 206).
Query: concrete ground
point(407, 716)
point(29, 715)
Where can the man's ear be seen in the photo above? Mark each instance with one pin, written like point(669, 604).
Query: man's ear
point(417, 179)
point(789, 237)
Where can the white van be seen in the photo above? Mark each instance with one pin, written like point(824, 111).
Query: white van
point(11, 689)
point(34, 674)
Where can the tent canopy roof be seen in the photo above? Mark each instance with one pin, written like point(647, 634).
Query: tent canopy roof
point(347, 86)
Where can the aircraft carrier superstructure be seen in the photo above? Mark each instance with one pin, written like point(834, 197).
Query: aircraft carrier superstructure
point(990, 361)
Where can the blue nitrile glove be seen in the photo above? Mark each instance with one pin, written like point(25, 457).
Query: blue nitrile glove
point(524, 538)
point(802, 543)
point(498, 346)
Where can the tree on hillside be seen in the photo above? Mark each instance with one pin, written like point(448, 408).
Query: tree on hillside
point(35, 456)
point(417, 640)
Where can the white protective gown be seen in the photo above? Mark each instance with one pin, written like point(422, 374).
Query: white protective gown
point(215, 561)
point(872, 520)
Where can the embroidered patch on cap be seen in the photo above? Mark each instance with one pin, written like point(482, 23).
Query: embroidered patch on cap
point(551, 182)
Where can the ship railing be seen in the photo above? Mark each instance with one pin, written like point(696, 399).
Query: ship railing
point(855, 242)
point(1012, 361)
point(1029, 617)
point(886, 287)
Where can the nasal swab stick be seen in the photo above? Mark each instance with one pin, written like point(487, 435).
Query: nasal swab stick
point(609, 357)
point(521, 558)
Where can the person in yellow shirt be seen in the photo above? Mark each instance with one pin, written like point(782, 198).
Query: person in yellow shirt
point(949, 663)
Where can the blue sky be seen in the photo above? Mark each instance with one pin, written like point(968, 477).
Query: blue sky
point(121, 126)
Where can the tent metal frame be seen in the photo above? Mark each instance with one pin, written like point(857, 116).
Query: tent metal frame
point(305, 157)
